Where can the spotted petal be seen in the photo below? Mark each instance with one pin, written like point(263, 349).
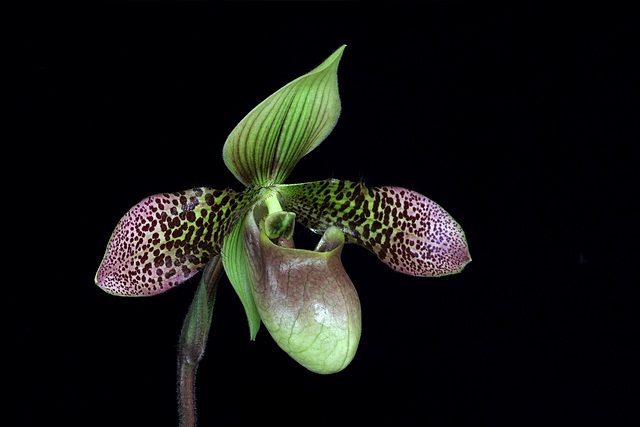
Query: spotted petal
point(266, 145)
point(167, 238)
point(406, 230)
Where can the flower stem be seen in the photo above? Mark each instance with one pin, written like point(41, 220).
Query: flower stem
point(193, 339)
point(187, 394)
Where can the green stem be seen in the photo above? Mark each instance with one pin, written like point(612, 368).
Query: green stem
point(273, 204)
point(193, 339)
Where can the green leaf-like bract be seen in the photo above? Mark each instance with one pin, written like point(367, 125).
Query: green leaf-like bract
point(406, 230)
point(195, 329)
point(266, 145)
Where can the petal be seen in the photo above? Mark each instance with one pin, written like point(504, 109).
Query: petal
point(305, 299)
point(406, 230)
point(165, 239)
point(266, 145)
point(234, 259)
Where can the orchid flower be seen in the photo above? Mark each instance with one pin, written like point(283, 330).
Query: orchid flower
point(304, 298)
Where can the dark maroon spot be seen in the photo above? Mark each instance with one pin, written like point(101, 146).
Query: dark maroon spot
point(159, 261)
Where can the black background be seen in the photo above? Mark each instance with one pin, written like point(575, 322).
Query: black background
point(519, 121)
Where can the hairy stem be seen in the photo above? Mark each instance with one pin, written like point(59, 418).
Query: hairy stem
point(187, 394)
point(193, 339)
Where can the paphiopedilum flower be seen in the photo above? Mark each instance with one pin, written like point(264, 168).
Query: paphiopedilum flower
point(304, 297)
